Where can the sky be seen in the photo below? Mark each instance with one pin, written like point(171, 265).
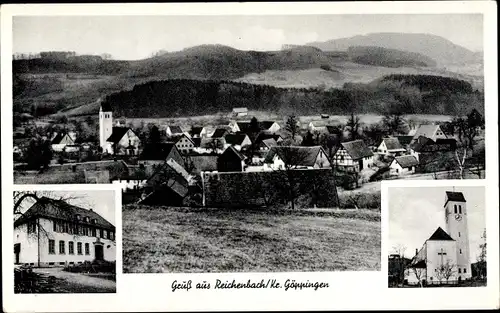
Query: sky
point(101, 201)
point(416, 212)
point(137, 37)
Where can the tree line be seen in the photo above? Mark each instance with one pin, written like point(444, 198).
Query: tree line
point(410, 94)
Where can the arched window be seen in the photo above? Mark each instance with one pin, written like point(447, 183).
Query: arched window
point(460, 209)
point(455, 208)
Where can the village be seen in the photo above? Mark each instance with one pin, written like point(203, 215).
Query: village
point(173, 165)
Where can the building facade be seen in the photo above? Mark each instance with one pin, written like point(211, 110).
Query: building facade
point(54, 233)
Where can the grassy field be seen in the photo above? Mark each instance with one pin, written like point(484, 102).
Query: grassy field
point(165, 239)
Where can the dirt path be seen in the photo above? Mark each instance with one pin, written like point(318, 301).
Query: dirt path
point(76, 282)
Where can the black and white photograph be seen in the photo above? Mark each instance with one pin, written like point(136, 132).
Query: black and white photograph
point(64, 241)
point(236, 134)
point(437, 236)
point(220, 156)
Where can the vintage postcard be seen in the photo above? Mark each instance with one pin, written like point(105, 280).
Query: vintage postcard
point(250, 144)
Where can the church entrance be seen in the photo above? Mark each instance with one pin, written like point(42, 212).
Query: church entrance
point(459, 280)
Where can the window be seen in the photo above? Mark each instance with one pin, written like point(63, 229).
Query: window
point(106, 234)
point(61, 247)
point(465, 270)
point(102, 233)
point(54, 225)
point(79, 247)
point(459, 270)
point(460, 251)
point(52, 246)
point(93, 232)
point(111, 235)
point(71, 247)
point(87, 249)
point(458, 234)
point(455, 208)
point(460, 209)
point(78, 217)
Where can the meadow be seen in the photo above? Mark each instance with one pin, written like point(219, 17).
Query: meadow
point(172, 240)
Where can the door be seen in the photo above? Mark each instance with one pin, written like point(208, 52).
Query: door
point(17, 251)
point(99, 253)
point(360, 164)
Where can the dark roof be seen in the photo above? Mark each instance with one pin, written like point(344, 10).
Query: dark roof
point(176, 130)
point(419, 144)
point(270, 142)
point(265, 125)
point(440, 234)
point(454, 196)
point(233, 150)
point(135, 173)
point(219, 133)
point(157, 151)
point(404, 140)
point(59, 209)
point(357, 149)
point(117, 134)
point(299, 156)
point(196, 130)
point(235, 139)
point(333, 129)
point(406, 161)
point(266, 135)
point(106, 107)
point(59, 136)
point(196, 141)
point(392, 144)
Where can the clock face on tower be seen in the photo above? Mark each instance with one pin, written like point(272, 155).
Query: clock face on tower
point(458, 217)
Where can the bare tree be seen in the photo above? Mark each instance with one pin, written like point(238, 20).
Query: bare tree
point(399, 264)
point(445, 271)
point(292, 158)
point(481, 258)
point(419, 274)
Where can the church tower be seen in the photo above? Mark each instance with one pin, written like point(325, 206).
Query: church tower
point(456, 226)
point(105, 125)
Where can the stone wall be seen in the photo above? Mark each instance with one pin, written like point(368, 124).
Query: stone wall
point(313, 187)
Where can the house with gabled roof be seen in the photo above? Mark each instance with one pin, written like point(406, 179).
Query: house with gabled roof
point(61, 140)
point(403, 165)
point(427, 146)
point(173, 130)
point(168, 185)
point(245, 126)
point(198, 132)
point(122, 141)
point(238, 112)
point(390, 147)
point(296, 157)
point(267, 144)
point(231, 160)
point(183, 143)
point(353, 156)
point(238, 140)
point(219, 132)
point(433, 132)
point(155, 154)
point(55, 233)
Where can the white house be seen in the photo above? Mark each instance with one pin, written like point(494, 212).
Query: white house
point(61, 140)
point(183, 143)
point(55, 233)
point(123, 141)
point(433, 132)
point(240, 112)
point(402, 165)
point(390, 147)
point(173, 131)
point(295, 157)
point(445, 251)
point(353, 156)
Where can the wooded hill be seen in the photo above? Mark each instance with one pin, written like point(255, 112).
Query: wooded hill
point(407, 94)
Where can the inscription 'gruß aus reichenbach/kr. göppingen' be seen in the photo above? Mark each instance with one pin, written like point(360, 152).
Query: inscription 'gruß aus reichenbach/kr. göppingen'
point(290, 284)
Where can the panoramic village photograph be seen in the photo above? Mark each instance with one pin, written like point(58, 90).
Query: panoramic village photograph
point(64, 241)
point(437, 237)
point(248, 143)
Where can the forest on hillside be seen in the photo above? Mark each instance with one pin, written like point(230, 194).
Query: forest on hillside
point(408, 94)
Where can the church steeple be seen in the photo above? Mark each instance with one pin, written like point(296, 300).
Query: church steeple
point(105, 124)
point(456, 226)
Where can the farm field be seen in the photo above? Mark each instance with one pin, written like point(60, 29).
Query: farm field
point(167, 239)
